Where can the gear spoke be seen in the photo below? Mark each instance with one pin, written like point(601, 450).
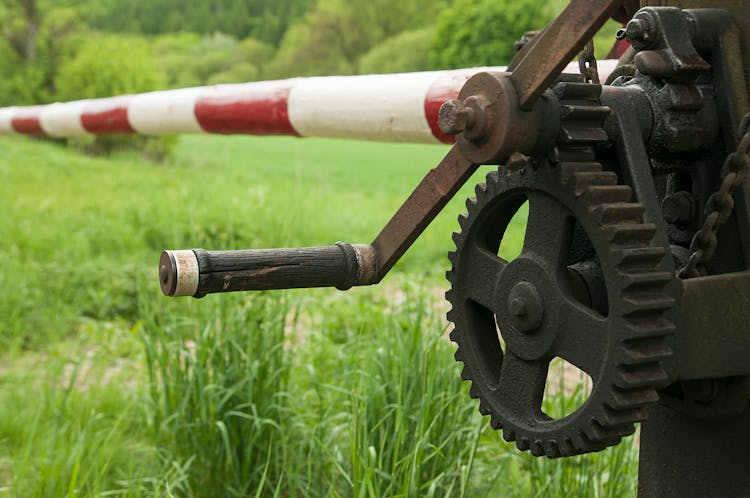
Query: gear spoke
point(480, 275)
point(582, 338)
point(521, 387)
point(548, 230)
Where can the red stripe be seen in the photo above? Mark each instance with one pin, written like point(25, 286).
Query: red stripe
point(445, 87)
point(618, 49)
point(27, 122)
point(107, 116)
point(259, 108)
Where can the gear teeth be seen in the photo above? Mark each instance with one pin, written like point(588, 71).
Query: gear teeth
point(581, 155)
point(523, 443)
point(646, 281)
point(596, 113)
point(537, 448)
point(607, 436)
point(646, 305)
point(583, 180)
point(630, 235)
point(496, 423)
point(578, 91)
point(452, 335)
point(613, 418)
point(635, 398)
point(601, 194)
point(643, 375)
point(456, 236)
point(480, 189)
point(462, 219)
point(552, 449)
point(473, 390)
point(471, 203)
point(639, 258)
point(618, 212)
point(567, 448)
point(645, 350)
point(640, 327)
point(484, 408)
point(569, 170)
point(581, 135)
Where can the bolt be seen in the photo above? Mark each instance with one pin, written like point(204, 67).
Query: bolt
point(518, 307)
point(678, 208)
point(455, 116)
point(637, 29)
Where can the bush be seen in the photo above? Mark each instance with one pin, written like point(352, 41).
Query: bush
point(107, 65)
point(407, 51)
point(481, 33)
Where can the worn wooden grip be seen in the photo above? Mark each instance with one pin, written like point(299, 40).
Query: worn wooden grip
point(337, 265)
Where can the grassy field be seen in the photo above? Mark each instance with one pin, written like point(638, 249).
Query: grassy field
point(109, 389)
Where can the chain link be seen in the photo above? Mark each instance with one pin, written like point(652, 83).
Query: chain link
point(720, 204)
point(587, 63)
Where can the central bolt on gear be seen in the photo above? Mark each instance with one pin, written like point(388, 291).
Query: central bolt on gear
point(543, 305)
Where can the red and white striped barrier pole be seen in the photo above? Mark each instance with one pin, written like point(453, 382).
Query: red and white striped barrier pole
point(385, 107)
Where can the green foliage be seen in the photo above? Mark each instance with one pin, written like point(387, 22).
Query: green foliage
point(481, 33)
point(35, 37)
point(128, 67)
point(219, 394)
point(404, 52)
point(266, 20)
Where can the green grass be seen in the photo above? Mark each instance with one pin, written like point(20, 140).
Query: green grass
point(109, 389)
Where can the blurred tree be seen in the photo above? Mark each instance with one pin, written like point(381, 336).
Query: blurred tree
point(481, 33)
point(265, 20)
point(35, 35)
point(129, 67)
point(333, 36)
point(21, 21)
point(406, 51)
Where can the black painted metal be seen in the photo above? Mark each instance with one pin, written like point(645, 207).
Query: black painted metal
point(263, 269)
point(684, 456)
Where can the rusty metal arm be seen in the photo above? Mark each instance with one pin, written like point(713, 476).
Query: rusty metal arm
point(197, 272)
point(554, 47)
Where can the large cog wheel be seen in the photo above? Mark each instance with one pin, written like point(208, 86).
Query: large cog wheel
point(511, 318)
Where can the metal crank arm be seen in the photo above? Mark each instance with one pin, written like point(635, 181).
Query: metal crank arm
point(196, 272)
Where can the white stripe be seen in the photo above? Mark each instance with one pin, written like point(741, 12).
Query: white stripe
point(169, 111)
point(384, 107)
point(62, 120)
point(6, 116)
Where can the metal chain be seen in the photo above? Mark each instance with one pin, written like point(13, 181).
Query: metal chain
point(720, 204)
point(587, 63)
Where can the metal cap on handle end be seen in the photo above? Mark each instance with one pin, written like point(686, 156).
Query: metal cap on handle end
point(178, 273)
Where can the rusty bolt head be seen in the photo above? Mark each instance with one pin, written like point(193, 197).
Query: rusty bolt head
point(641, 31)
point(467, 117)
point(526, 307)
point(454, 117)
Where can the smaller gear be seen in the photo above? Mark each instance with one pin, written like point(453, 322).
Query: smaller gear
point(511, 318)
